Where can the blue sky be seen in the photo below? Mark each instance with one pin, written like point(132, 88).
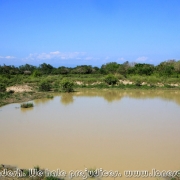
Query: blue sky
point(92, 32)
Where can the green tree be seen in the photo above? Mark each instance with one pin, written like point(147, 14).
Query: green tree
point(177, 66)
point(84, 69)
point(46, 68)
point(109, 68)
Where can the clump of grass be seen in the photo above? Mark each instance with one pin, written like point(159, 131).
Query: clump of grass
point(27, 105)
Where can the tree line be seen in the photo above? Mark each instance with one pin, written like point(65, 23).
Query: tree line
point(166, 68)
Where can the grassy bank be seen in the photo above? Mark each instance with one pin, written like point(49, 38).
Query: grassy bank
point(21, 88)
point(7, 98)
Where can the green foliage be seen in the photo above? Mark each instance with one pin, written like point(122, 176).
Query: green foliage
point(61, 70)
point(2, 87)
point(26, 172)
point(67, 85)
point(26, 67)
point(4, 95)
point(177, 66)
point(37, 168)
point(46, 68)
point(111, 79)
point(166, 68)
point(84, 69)
point(45, 86)
point(53, 178)
point(141, 69)
point(138, 82)
point(36, 73)
point(109, 68)
point(122, 69)
point(27, 105)
point(153, 79)
point(9, 70)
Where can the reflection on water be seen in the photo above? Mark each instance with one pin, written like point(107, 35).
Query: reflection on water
point(118, 130)
point(116, 95)
point(24, 110)
point(67, 98)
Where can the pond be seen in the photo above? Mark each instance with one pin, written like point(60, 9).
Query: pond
point(109, 129)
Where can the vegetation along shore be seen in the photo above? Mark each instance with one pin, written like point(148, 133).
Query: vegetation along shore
point(28, 82)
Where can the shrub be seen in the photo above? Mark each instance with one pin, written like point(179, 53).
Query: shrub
point(2, 87)
point(67, 86)
point(45, 86)
point(27, 105)
point(36, 73)
point(111, 79)
point(138, 82)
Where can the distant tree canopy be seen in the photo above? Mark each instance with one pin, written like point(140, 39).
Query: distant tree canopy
point(27, 67)
point(142, 69)
point(166, 68)
point(45, 68)
point(110, 67)
point(84, 69)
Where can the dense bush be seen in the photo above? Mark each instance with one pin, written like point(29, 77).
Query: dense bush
point(36, 73)
point(2, 87)
point(138, 82)
point(111, 79)
point(67, 86)
point(45, 86)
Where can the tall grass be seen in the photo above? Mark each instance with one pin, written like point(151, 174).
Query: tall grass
point(27, 105)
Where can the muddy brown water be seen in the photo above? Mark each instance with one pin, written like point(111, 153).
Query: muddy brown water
point(108, 129)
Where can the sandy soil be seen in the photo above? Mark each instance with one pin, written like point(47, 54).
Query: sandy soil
point(20, 88)
point(125, 82)
point(79, 82)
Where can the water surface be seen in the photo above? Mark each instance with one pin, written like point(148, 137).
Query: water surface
point(109, 129)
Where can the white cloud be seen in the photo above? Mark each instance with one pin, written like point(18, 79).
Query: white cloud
point(7, 57)
point(142, 59)
point(56, 55)
point(90, 58)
